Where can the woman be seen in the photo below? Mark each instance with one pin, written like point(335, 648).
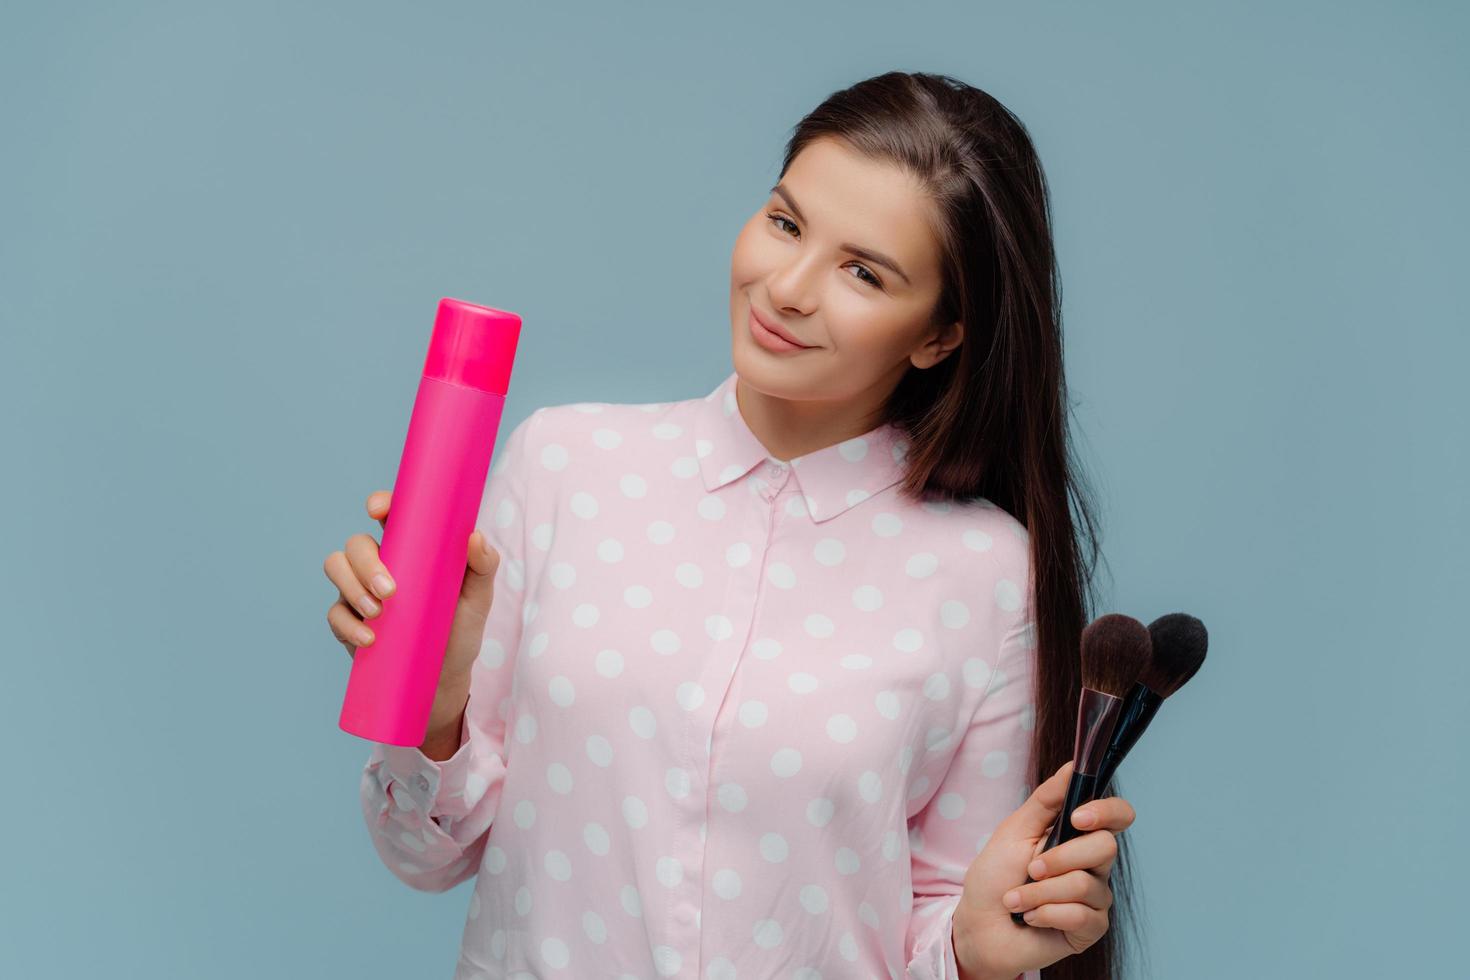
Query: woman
point(770, 670)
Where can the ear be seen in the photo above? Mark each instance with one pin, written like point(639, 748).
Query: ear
point(939, 346)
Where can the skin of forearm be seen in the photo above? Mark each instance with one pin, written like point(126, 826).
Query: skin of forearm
point(446, 724)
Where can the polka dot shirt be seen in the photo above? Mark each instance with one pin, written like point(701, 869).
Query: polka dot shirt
point(733, 717)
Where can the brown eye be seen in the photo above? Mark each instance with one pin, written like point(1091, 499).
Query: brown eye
point(871, 279)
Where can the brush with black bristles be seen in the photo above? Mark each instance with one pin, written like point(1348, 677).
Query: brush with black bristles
point(1115, 651)
point(1179, 641)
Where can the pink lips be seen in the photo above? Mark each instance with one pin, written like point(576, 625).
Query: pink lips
point(772, 337)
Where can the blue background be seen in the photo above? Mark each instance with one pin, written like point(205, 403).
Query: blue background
point(223, 233)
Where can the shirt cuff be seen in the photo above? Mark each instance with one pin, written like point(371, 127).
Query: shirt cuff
point(423, 780)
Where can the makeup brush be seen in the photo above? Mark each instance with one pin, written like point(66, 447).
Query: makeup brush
point(1115, 650)
point(1179, 641)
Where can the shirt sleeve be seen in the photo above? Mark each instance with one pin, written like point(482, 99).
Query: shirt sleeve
point(429, 820)
point(988, 778)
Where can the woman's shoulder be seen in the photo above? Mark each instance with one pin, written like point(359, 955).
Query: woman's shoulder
point(577, 425)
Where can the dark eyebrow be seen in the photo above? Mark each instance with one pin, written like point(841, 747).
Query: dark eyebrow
point(865, 253)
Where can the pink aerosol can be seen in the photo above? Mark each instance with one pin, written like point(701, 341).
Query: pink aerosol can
point(436, 500)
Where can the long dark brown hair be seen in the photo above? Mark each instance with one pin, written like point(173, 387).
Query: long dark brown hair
point(990, 420)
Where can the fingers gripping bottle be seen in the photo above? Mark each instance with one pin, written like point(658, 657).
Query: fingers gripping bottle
point(436, 499)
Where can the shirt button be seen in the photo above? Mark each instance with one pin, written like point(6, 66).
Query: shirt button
point(423, 783)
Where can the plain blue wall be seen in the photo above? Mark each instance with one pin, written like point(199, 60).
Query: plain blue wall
point(225, 227)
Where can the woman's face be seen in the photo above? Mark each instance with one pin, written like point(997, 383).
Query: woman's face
point(818, 259)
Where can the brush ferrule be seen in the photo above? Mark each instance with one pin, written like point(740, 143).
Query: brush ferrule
point(1097, 715)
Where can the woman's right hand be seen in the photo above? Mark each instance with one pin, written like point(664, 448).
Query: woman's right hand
point(364, 584)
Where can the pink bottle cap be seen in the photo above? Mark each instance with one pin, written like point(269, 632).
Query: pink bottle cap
point(473, 346)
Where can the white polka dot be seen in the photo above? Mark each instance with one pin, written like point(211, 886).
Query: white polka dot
point(732, 797)
point(661, 532)
point(847, 861)
point(1007, 595)
point(609, 663)
point(829, 552)
point(726, 884)
point(976, 673)
point(976, 539)
point(669, 871)
point(766, 648)
point(559, 778)
point(525, 814)
point(814, 899)
point(633, 486)
point(870, 786)
point(773, 848)
point(554, 456)
point(710, 508)
point(635, 812)
point(908, 640)
point(954, 614)
point(610, 550)
point(631, 901)
point(781, 575)
point(637, 597)
point(786, 762)
point(689, 695)
point(597, 839)
point(594, 926)
point(558, 866)
point(667, 961)
point(802, 683)
point(921, 565)
point(951, 806)
point(867, 598)
point(886, 525)
point(642, 721)
point(767, 933)
point(584, 505)
point(841, 728)
point(561, 691)
point(718, 627)
point(995, 763)
point(819, 812)
point(738, 555)
point(936, 686)
point(753, 714)
point(819, 626)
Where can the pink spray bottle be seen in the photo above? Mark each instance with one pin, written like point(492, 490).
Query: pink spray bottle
point(436, 499)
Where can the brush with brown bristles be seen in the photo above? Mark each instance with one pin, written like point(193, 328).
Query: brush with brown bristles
point(1178, 641)
point(1115, 651)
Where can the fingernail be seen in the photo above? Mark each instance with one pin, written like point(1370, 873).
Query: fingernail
point(1083, 818)
point(365, 636)
point(1029, 916)
point(1012, 899)
point(382, 585)
point(1037, 868)
point(485, 544)
point(367, 606)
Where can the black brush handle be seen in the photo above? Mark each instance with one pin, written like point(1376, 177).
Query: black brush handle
point(1082, 789)
point(1139, 709)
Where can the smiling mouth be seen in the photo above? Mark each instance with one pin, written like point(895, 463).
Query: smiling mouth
point(775, 331)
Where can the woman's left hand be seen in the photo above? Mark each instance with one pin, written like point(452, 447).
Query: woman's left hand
point(1067, 904)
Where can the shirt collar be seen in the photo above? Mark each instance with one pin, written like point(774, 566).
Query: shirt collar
point(831, 479)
